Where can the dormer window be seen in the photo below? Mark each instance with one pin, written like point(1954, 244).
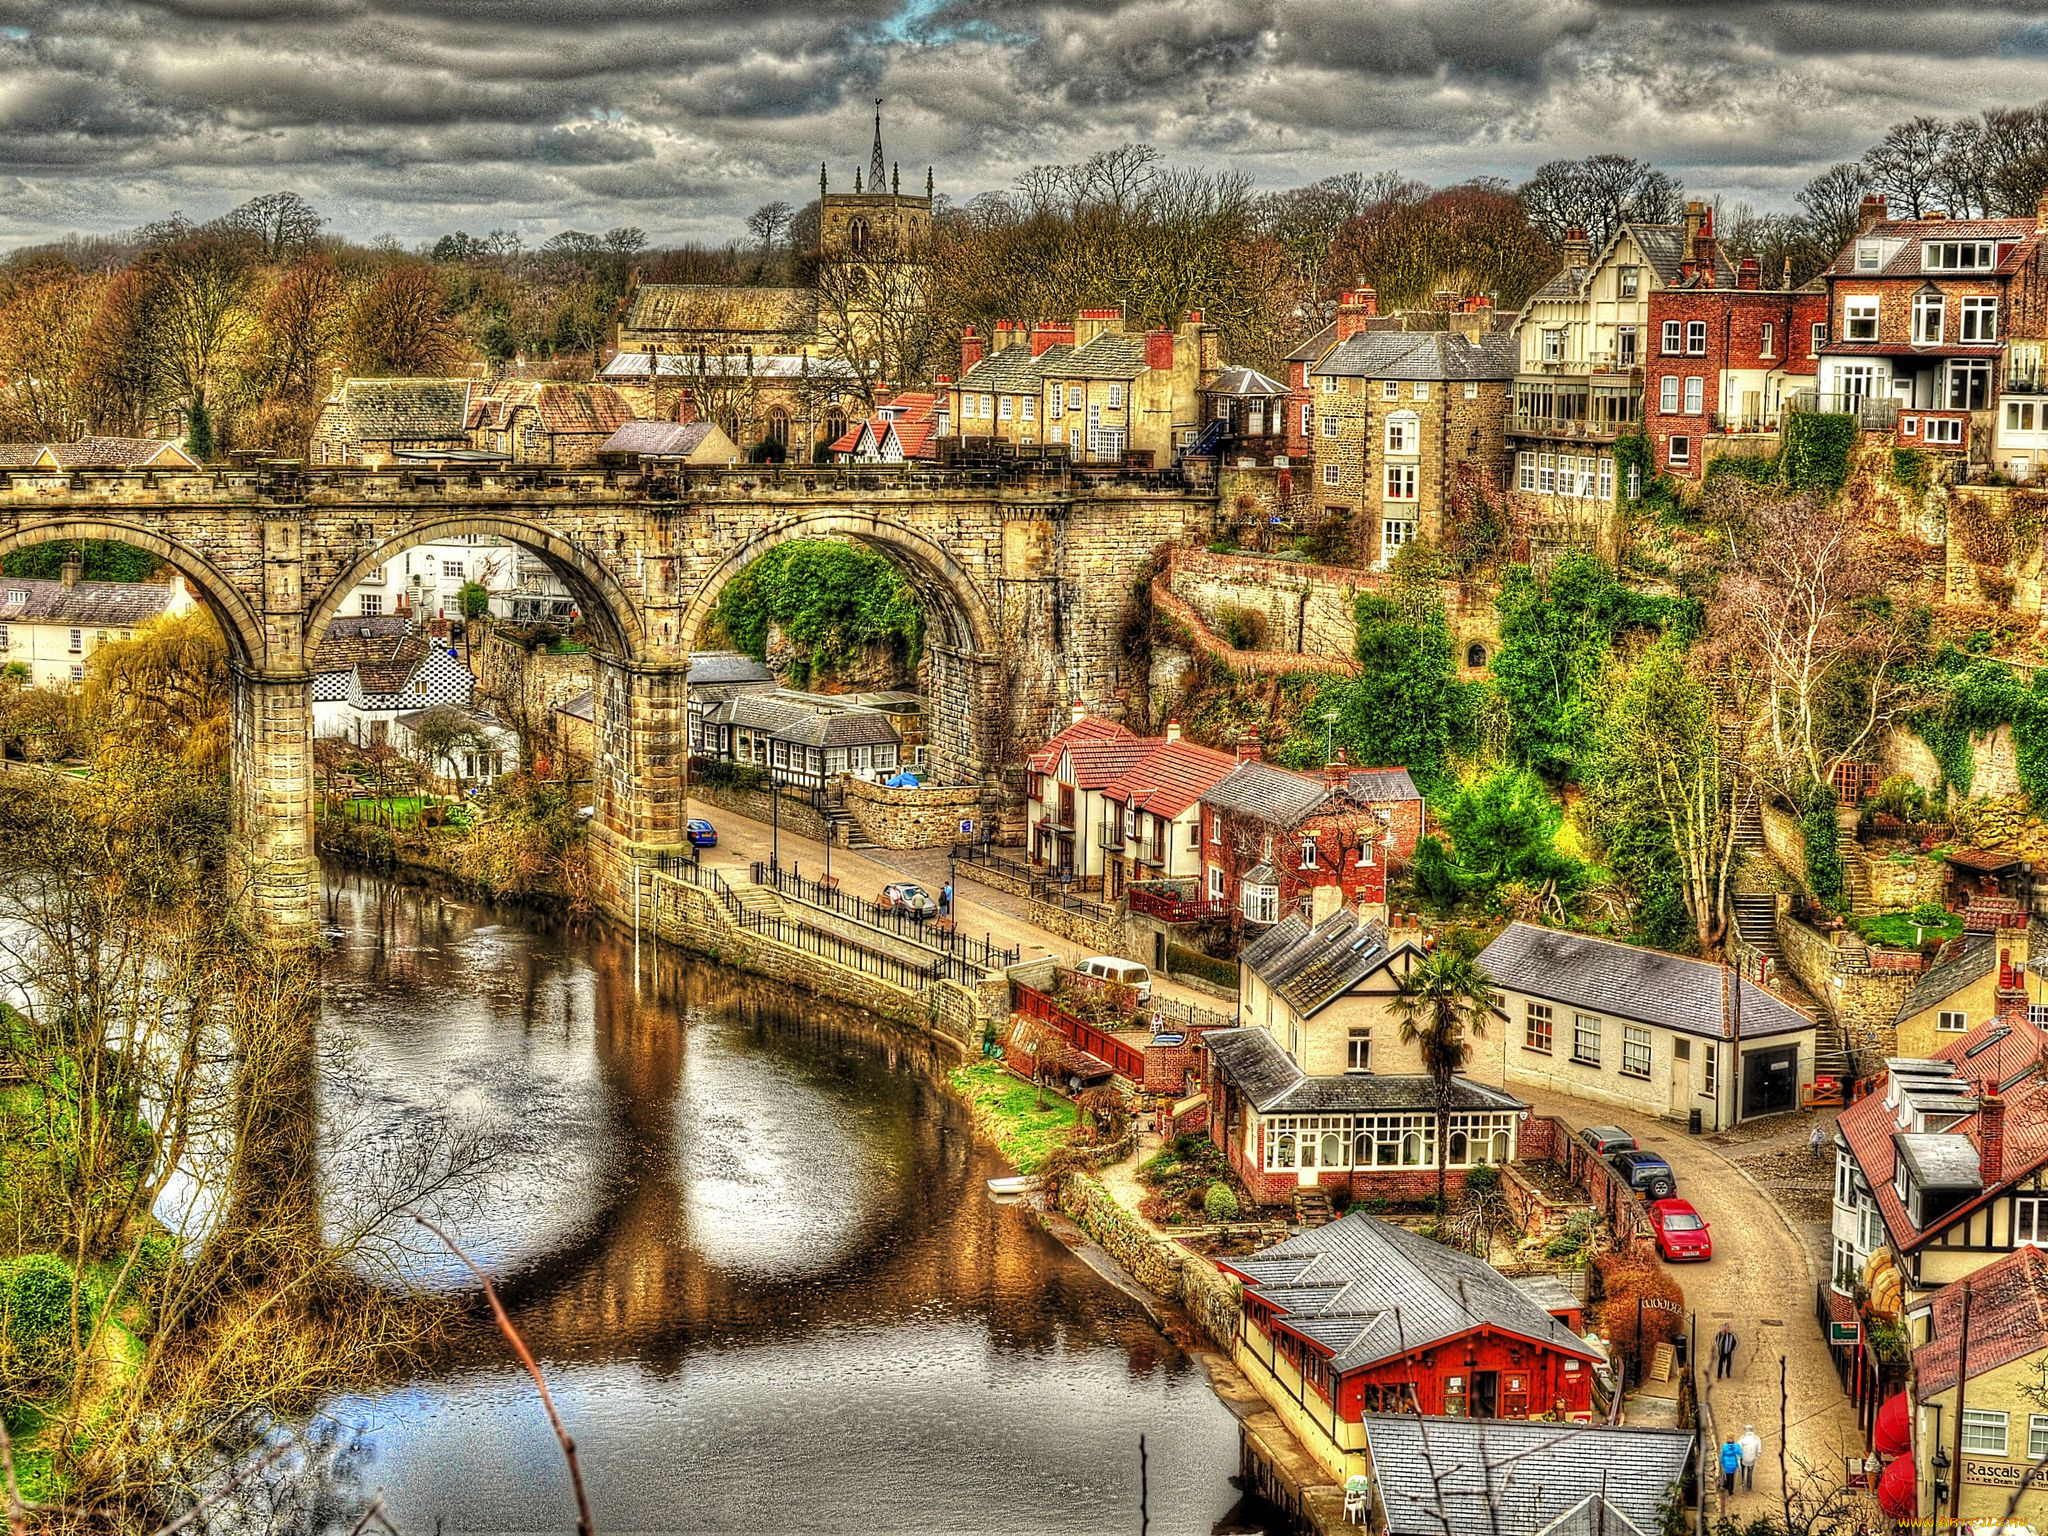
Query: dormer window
point(1958, 255)
point(1869, 255)
point(1308, 853)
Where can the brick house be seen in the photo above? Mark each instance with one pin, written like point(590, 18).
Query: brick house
point(1276, 842)
point(1583, 339)
point(1361, 1316)
point(1295, 368)
point(1721, 362)
point(1920, 315)
point(1315, 1085)
point(1399, 416)
point(546, 423)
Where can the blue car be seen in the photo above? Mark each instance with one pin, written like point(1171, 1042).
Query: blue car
point(701, 833)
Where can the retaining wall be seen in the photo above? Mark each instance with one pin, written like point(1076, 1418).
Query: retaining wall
point(1158, 1263)
point(798, 814)
point(928, 817)
point(1863, 1002)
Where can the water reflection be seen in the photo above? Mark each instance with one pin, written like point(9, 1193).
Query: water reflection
point(748, 1239)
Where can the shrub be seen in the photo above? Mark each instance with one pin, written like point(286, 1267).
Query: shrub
point(1625, 1280)
point(1219, 1204)
point(1242, 629)
point(35, 1324)
point(1183, 961)
point(1824, 872)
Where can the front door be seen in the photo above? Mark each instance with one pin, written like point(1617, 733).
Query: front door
point(1770, 1081)
point(1306, 1168)
point(1486, 1394)
point(1515, 1403)
point(1681, 1078)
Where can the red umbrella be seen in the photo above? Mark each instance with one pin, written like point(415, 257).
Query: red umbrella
point(1894, 1435)
point(1895, 1493)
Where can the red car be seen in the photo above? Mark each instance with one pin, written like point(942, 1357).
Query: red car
point(1681, 1232)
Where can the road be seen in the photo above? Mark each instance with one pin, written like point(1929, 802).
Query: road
point(1760, 1280)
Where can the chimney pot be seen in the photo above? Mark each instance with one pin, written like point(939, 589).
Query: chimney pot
point(1749, 274)
point(970, 349)
point(1173, 730)
point(73, 569)
point(1577, 249)
point(1249, 748)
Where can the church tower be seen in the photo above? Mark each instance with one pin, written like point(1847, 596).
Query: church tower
point(879, 221)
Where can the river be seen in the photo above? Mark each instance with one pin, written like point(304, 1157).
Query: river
point(746, 1234)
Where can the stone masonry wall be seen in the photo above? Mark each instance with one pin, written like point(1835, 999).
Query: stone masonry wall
point(798, 816)
point(927, 817)
point(1785, 842)
point(1158, 1263)
point(526, 685)
point(1903, 879)
point(1862, 1002)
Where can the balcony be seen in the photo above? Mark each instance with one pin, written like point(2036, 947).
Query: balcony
point(1740, 423)
point(1175, 901)
point(1872, 413)
point(2025, 384)
point(1112, 837)
point(1575, 429)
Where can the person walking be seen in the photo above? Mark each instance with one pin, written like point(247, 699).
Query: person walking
point(1731, 1458)
point(1751, 1446)
point(1817, 1142)
point(1724, 1352)
point(946, 899)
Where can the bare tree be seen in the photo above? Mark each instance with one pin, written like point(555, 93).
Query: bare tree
point(1905, 164)
point(769, 223)
point(1598, 194)
point(402, 324)
point(279, 222)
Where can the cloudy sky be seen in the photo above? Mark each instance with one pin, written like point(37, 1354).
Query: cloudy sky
point(413, 117)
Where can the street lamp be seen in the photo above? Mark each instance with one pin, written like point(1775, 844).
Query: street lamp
point(1329, 735)
point(775, 824)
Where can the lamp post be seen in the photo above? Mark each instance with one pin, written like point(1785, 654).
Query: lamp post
point(775, 825)
point(1329, 735)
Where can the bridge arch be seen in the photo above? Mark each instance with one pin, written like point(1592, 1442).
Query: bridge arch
point(605, 603)
point(247, 641)
point(963, 635)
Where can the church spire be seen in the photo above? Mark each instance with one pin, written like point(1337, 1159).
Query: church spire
point(876, 170)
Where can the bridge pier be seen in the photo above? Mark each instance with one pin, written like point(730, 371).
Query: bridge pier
point(277, 867)
point(638, 771)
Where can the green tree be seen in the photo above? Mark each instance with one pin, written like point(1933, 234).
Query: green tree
point(829, 599)
point(1557, 634)
point(1439, 1001)
point(1503, 826)
point(1407, 706)
point(101, 560)
point(475, 598)
point(1664, 800)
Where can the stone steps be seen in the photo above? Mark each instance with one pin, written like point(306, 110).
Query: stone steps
point(1312, 1208)
point(1756, 919)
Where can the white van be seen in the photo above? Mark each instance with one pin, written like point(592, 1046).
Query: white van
point(1125, 972)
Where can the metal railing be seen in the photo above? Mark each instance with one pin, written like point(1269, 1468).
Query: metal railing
point(684, 867)
point(1872, 413)
point(1574, 427)
point(1041, 885)
point(827, 945)
point(1174, 901)
point(936, 934)
point(1745, 421)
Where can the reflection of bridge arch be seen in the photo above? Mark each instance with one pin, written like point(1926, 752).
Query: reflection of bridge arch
point(963, 637)
point(604, 603)
point(247, 641)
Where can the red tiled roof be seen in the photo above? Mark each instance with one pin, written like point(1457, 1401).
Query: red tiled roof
point(1997, 1051)
point(1099, 763)
point(1868, 1126)
point(2008, 1320)
point(1087, 728)
point(2019, 233)
point(909, 413)
point(1171, 779)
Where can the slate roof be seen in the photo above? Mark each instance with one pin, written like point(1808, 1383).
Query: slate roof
point(1428, 355)
point(1516, 1477)
point(351, 641)
point(390, 673)
point(726, 667)
point(1663, 247)
point(790, 722)
point(581, 707)
point(1276, 796)
point(1245, 383)
point(659, 439)
point(1311, 968)
point(400, 410)
point(1108, 355)
point(2008, 1320)
point(1011, 371)
point(571, 409)
point(1379, 785)
point(120, 453)
point(2019, 233)
point(1367, 1290)
point(692, 307)
point(633, 366)
point(1254, 1063)
point(1315, 346)
point(1646, 985)
point(1971, 963)
point(1170, 778)
point(87, 605)
point(1592, 1516)
point(19, 455)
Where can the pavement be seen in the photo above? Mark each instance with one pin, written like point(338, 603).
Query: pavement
point(1768, 1253)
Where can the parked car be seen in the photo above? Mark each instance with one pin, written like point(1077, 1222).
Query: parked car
point(913, 901)
point(1681, 1231)
point(1126, 973)
point(1646, 1173)
point(1604, 1139)
point(701, 833)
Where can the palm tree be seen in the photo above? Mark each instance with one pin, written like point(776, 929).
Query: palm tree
point(1448, 993)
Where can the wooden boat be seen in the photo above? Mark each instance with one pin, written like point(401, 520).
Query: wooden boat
point(1011, 1188)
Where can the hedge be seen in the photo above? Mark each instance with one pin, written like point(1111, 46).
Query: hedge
point(35, 1323)
point(1192, 962)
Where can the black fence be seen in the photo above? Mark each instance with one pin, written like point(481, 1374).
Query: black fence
point(931, 933)
point(1041, 885)
point(688, 870)
point(893, 969)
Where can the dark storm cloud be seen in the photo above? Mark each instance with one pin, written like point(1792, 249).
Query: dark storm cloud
point(414, 116)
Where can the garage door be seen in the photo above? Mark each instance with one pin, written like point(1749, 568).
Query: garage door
point(1770, 1081)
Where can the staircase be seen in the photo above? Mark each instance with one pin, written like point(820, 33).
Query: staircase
point(1749, 830)
point(1756, 919)
point(1312, 1207)
point(1830, 1054)
point(1855, 877)
point(840, 825)
point(755, 899)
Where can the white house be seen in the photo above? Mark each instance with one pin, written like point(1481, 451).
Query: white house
point(51, 628)
point(489, 750)
point(426, 582)
point(368, 672)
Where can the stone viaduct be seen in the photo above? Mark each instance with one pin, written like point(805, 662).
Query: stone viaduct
point(1025, 581)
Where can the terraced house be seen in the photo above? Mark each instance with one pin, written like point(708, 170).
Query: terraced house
point(1934, 335)
point(1584, 338)
point(546, 423)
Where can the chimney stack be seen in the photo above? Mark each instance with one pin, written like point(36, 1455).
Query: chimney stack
point(1749, 274)
point(1577, 249)
point(1159, 350)
point(1173, 730)
point(970, 349)
point(1249, 749)
point(1695, 220)
point(1006, 335)
point(1991, 1136)
point(1078, 712)
point(74, 567)
point(2041, 215)
point(1091, 323)
point(1048, 334)
point(1871, 214)
point(1354, 309)
point(1336, 770)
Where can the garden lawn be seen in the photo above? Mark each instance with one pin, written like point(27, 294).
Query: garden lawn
point(1006, 1106)
point(1898, 929)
